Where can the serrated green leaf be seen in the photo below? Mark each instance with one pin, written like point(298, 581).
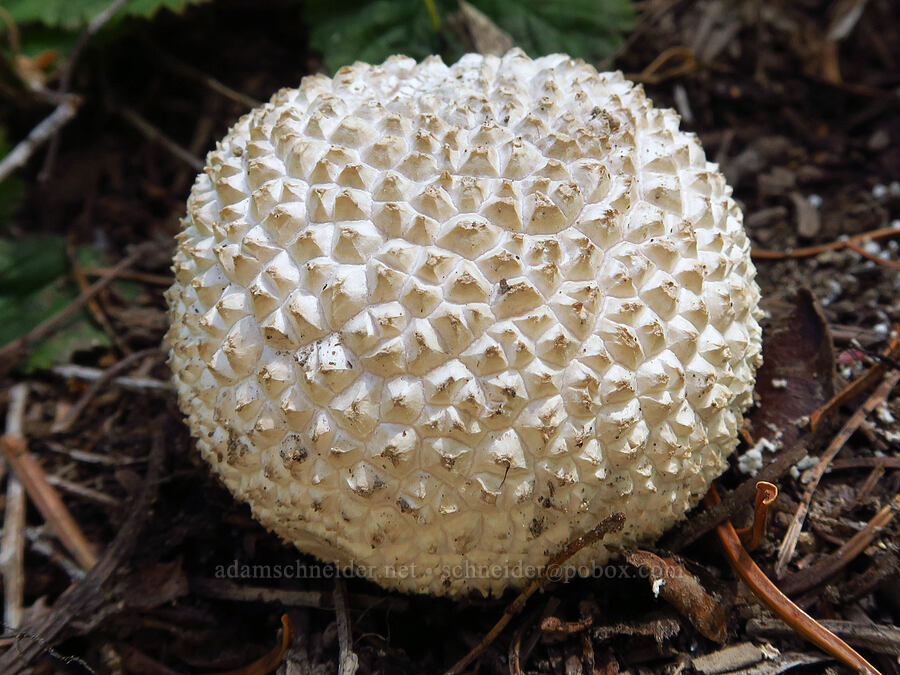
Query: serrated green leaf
point(27, 264)
point(588, 29)
point(75, 14)
point(32, 289)
point(79, 335)
point(372, 30)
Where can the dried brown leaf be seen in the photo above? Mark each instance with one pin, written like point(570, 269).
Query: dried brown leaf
point(683, 591)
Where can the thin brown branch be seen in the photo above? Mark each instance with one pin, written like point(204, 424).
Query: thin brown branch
point(142, 384)
point(268, 663)
point(49, 126)
point(860, 384)
point(12, 548)
point(224, 589)
point(701, 523)
point(93, 304)
point(156, 135)
point(884, 639)
point(85, 598)
point(65, 79)
point(610, 524)
point(766, 493)
point(887, 262)
point(813, 575)
point(109, 374)
point(47, 499)
point(779, 603)
point(786, 550)
point(132, 275)
point(9, 351)
point(881, 233)
point(184, 69)
point(348, 661)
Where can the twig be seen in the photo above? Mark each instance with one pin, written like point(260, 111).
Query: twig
point(348, 661)
point(84, 492)
point(881, 233)
point(40, 544)
point(266, 664)
point(46, 326)
point(652, 75)
point(65, 79)
point(88, 374)
point(779, 603)
point(610, 524)
point(883, 639)
point(224, 589)
point(871, 481)
point(786, 550)
point(701, 523)
point(85, 598)
point(887, 262)
point(51, 124)
point(860, 384)
point(813, 575)
point(155, 135)
point(187, 70)
point(93, 27)
point(47, 499)
point(766, 493)
point(66, 422)
point(12, 549)
point(132, 275)
point(93, 305)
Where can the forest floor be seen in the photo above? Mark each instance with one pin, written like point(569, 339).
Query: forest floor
point(798, 102)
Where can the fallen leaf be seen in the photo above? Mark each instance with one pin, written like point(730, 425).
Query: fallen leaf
point(798, 366)
point(684, 592)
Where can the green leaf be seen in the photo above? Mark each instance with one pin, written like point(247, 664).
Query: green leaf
point(30, 263)
point(32, 289)
point(372, 30)
point(80, 335)
point(75, 14)
point(589, 29)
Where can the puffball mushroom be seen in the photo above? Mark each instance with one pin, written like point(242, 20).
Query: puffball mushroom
point(432, 322)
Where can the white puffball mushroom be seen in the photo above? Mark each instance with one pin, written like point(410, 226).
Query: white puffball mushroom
point(433, 321)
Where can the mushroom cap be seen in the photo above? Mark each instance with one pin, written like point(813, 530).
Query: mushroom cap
point(432, 322)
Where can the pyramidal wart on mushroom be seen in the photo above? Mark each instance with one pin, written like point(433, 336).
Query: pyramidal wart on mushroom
point(433, 321)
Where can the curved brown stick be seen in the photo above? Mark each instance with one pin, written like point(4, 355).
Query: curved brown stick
point(766, 493)
point(763, 254)
point(779, 603)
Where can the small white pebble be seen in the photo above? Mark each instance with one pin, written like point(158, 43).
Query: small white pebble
point(884, 414)
point(815, 201)
point(881, 328)
point(835, 289)
point(750, 462)
point(657, 584)
point(806, 462)
point(893, 245)
point(892, 437)
point(871, 246)
point(847, 372)
point(894, 188)
point(879, 191)
point(795, 473)
point(779, 383)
